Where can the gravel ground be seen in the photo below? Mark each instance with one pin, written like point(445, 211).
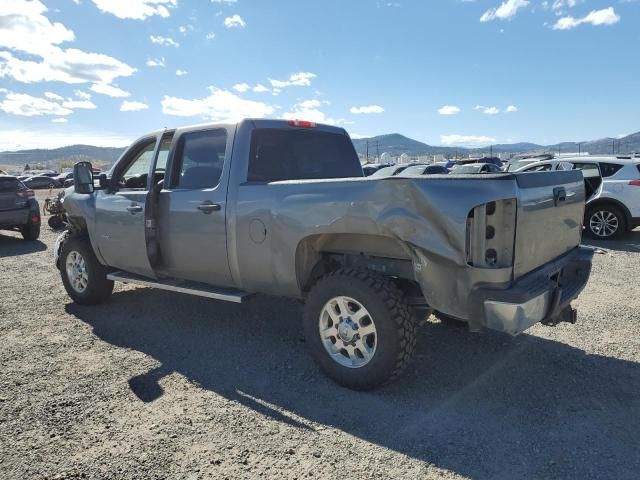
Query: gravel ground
point(160, 385)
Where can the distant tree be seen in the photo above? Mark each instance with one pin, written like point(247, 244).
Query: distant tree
point(27, 167)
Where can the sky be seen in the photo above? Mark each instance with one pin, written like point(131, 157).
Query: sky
point(445, 72)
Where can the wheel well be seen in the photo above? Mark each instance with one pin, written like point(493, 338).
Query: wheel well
point(602, 202)
point(319, 255)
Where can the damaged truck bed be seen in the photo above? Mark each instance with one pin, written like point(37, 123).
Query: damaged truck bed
point(281, 208)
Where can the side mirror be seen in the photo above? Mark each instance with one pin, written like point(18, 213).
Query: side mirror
point(83, 177)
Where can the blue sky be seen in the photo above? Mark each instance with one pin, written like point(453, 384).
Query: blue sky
point(446, 72)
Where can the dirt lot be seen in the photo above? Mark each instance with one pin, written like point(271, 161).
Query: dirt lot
point(161, 385)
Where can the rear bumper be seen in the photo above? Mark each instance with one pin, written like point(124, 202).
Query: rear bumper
point(543, 295)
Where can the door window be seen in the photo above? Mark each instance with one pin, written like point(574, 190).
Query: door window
point(135, 175)
point(200, 158)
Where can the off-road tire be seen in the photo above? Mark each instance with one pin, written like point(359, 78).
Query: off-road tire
point(622, 221)
point(98, 288)
point(388, 308)
point(30, 231)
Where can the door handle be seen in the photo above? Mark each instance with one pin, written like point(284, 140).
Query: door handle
point(134, 208)
point(208, 206)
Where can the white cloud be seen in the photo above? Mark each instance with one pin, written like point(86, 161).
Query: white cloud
point(234, 21)
point(558, 4)
point(109, 90)
point(259, 88)
point(165, 41)
point(487, 110)
point(180, 73)
point(210, 36)
point(25, 29)
point(606, 16)
point(241, 87)
point(466, 140)
point(448, 110)
point(228, 2)
point(505, 11)
point(128, 106)
point(29, 106)
point(221, 105)
point(136, 9)
point(156, 62)
point(81, 94)
point(309, 110)
point(511, 109)
point(367, 109)
point(300, 79)
point(79, 104)
point(59, 120)
point(52, 96)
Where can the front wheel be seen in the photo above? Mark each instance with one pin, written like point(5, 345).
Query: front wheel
point(359, 328)
point(605, 222)
point(83, 276)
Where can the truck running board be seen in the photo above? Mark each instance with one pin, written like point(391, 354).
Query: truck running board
point(182, 286)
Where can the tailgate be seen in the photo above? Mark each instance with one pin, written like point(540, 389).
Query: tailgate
point(549, 218)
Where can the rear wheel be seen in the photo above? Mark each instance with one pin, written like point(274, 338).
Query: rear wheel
point(605, 222)
point(30, 231)
point(83, 276)
point(359, 328)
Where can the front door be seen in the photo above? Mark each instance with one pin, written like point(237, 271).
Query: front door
point(192, 209)
point(120, 213)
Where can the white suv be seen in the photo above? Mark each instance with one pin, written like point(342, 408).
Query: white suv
point(614, 207)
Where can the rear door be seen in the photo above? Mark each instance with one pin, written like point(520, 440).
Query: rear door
point(550, 215)
point(192, 208)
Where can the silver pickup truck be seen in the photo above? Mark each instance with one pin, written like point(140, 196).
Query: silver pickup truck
point(281, 208)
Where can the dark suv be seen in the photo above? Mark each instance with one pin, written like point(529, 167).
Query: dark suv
point(19, 210)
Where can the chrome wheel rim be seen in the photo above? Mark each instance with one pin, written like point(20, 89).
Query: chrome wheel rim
point(347, 332)
point(77, 271)
point(604, 223)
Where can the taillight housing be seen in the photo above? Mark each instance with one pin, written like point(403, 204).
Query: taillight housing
point(635, 183)
point(301, 124)
point(25, 193)
point(491, 229)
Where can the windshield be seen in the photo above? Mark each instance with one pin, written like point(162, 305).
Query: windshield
point(466, 169)
point(516, 164)
point(386, 172)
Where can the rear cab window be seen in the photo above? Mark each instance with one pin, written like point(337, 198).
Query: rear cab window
point(292, 154)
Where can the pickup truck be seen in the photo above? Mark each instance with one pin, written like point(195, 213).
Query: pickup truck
point(282, 208)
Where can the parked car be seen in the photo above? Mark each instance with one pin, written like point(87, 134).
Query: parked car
point(64, 177)
point(391, 170)
point(613, 206)
point(370, 168)
point(42, 182)
point(282, 208)
point(19, 210)
point(426, 170)
point(473, 168)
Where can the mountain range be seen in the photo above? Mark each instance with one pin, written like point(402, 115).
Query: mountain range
point(395, 144)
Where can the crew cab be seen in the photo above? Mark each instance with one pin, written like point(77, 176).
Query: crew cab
point(282, 208)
